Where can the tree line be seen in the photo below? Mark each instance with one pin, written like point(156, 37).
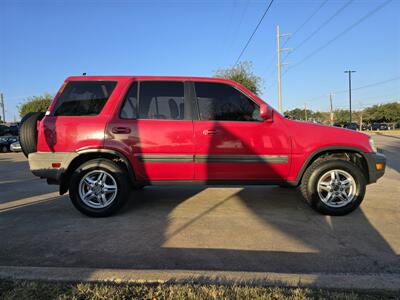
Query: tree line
point(379, 113)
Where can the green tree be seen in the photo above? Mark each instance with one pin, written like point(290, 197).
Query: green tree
point(243, 74)
point(341, 116)
point(320, 116)
point(298, 114)
point(388, 112)
point(35, 104)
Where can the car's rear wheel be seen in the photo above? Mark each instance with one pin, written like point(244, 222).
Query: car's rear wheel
point(99, 188)
point(333, 186)
point(28, 133)
point(4, 149)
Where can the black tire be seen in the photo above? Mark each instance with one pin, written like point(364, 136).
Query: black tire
point(28, 133)
point(4, 149)
point(118, 173)
point(314, 172)
point(24, 118)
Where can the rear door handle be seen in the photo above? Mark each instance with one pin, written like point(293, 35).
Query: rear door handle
point(210, 132)
point(121, 130)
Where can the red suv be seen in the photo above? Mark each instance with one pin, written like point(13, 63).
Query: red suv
point(103, 135)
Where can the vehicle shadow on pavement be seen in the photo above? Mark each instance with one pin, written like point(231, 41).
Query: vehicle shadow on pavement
point(262, 229)
point(17, 183)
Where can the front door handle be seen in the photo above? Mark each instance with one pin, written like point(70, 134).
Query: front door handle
point(121, 130)
point(210, 132)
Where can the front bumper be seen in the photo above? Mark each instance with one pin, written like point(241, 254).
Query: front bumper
point(50, 165)
point(373, 160)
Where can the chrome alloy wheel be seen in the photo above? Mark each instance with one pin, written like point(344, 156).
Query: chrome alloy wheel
point(98, 189)
point(336, 188)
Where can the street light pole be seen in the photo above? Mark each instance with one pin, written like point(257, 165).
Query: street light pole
point(349, 72)
point(2, 108)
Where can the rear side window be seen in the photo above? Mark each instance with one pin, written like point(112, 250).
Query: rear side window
point(222, 102)
point(84, 98)
point(156, 100)
point(161, 100)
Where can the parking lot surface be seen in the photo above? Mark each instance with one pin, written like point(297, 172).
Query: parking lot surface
point(258, 229)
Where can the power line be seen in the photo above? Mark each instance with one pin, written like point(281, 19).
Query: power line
point(255, 30)
point(357, 88)
point(233, 41)
point(301, 27)
point(308, 19)
point(359, 21)
point(342, 8)
point(372, 84)
point(366, 105)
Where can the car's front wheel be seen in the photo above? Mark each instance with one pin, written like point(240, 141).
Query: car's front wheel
point(333, 186)
point(99, 187)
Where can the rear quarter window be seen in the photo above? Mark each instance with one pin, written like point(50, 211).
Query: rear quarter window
point(84, 98)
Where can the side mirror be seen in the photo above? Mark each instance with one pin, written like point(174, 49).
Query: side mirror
point(266, 112)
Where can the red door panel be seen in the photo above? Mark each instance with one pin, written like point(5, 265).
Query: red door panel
point(157, 149)
point(228, 150)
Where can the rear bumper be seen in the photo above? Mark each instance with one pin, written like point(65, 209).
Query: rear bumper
point(372, 160)
point(44, 164)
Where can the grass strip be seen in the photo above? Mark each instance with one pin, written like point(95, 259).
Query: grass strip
point(22, 289)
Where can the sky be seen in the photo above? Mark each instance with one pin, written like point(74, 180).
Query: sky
point(43, 42)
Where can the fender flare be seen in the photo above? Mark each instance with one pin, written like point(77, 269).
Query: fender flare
point(318, 151)
point(64, 183)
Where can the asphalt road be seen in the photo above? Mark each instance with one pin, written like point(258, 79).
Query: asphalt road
point(259, 229)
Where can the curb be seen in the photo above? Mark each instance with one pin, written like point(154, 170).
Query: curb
point(385, 281)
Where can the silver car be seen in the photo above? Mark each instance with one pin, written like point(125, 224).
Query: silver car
point(15, 147)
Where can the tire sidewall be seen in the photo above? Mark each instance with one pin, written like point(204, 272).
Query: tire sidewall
point(350, 168)
point(115, 171)
point(28, 134)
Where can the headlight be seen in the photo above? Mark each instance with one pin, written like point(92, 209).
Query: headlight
point(372, 144)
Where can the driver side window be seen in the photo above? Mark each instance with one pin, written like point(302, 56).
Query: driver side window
point(222, 102)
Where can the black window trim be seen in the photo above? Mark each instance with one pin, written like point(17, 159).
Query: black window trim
point(196, 103)
point(52, 114)
point(126, 99)
point(186, 99)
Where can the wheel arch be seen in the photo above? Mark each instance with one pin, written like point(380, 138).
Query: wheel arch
point(89, 154)
point(350, 153)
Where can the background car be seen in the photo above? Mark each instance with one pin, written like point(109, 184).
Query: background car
point(15, 147)
point(4, 130)
point(366, 127)
point(352, 126)
point(6, 141)
point(14, 130)
point(379, 126)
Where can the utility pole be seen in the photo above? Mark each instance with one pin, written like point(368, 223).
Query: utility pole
point(2, 107)
point(331, 108)
point(349, 72)
point(279, 50)
point(305, 111)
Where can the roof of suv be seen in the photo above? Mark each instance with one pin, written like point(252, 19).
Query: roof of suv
point(160, 78)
